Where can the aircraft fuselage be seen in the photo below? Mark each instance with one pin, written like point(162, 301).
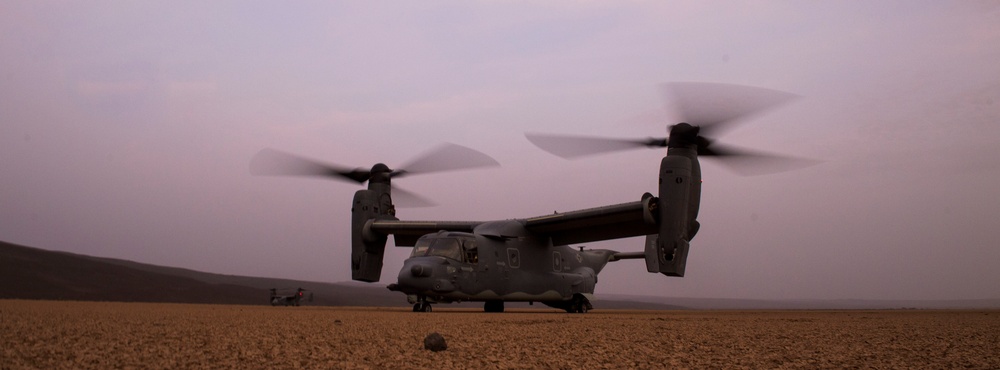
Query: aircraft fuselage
point(512, 265)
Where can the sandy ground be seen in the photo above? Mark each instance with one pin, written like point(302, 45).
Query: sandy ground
point(48, 334)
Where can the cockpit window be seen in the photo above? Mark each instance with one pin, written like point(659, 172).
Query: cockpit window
point(441, 247)
point(447, 248)
point(471, 252)
point(420, 248)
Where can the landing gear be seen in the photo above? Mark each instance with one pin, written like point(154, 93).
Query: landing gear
point(579, 304)
point(422, 306)
point(493, 306)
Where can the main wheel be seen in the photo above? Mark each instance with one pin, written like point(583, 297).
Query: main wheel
point(579, 304)
point(493, 306)
point(422, 307)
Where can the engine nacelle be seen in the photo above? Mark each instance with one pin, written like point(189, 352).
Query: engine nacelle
point(367, 247)
point(666, 252)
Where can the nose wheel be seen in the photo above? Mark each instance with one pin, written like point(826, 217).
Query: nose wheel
point(422, 306)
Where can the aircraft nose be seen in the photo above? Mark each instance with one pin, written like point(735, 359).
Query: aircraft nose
point(420, 270)
point(418, 276)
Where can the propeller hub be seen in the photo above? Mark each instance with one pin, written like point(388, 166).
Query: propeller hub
point(380, 173)
point(683, 135)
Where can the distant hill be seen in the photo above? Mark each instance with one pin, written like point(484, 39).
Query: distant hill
point(32, 273)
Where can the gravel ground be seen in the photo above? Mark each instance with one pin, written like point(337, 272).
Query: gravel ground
point(52, 334)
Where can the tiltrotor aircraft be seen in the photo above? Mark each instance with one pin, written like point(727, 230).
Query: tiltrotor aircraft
point(293, 299)
point(532, 259)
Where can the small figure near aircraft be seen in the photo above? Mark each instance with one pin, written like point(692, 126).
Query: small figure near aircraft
point(531, 259)
point(293, 299)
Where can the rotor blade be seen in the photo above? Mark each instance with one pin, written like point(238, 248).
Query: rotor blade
point(270, 162)
point(568, 146)
point(714, 106)
point(447, 157)
point(751, 163)
point(405, 199)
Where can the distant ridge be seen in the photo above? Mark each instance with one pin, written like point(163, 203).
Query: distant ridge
point(32, 273)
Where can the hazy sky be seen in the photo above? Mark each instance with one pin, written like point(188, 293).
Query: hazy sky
point(126, 130)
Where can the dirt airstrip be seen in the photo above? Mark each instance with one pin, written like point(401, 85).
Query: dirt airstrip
point(54, 334)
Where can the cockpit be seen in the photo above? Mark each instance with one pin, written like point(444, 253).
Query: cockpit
point(453, 247)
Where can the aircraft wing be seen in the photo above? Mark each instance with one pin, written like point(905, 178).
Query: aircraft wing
point(595, 224)
point(406, 233)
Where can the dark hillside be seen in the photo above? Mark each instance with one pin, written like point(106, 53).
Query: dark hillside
point(30, 273)
point(325, 294)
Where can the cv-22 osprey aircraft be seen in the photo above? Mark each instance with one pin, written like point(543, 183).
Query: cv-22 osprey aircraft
point(532, 259)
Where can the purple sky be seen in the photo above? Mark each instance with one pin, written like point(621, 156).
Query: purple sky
point(128, 127)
